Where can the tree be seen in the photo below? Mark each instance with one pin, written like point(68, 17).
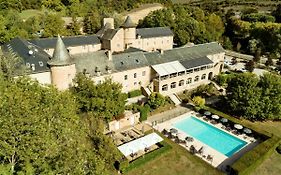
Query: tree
point(92, 22)
point(250, 66)
point(74, 27)
point(271, 96)
point(155, 100)
point(54, 25)
point(198, 101)
point(257, 56)
point(41, 133)
point(277, 13)
point(104, 100)
point(244, 95)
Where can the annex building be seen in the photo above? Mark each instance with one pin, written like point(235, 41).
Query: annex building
point(136, 58)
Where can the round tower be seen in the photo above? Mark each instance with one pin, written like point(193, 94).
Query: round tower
point(62, 67)
point(129, 32)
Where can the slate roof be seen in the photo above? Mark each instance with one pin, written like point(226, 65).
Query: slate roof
point(61, 56)
point(154, 32)
point(128, 23)
point(47, 43)
point(184, 53)
point(188, 64)
point(187, 56)
point(30, 54)
point(109, 34)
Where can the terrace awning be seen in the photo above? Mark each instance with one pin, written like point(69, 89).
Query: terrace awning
point(139, 144)
point(168, 68)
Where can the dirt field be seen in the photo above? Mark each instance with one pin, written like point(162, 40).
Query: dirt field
point(143, 11)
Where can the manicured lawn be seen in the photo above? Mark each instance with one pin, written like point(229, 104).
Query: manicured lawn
point(177, 161)
point(270, 166)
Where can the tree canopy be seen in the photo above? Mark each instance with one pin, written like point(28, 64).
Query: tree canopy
point(253, 97)
point(41, 132)
point(103, 100)
point(189, 24)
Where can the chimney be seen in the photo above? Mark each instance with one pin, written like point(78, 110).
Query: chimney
point(109, 21)
point(109, 55)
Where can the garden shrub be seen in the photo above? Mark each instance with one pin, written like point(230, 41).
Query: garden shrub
point(144, 110)
point(156, 100)
point(134, 93)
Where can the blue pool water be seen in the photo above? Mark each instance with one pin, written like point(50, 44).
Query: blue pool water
point(210, 135)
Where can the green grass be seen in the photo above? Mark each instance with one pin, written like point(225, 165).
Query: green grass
point(270, 166)
point(25, 14)
point(177, 161)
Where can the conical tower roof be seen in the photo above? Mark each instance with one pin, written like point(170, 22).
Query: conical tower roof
point(128, 23)
point(61, 56)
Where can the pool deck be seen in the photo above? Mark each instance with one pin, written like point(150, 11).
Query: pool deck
point(219, 160)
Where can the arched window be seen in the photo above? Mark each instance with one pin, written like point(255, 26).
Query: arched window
point(210, 76)
point(181, 83)
point(165, 87)
point(189, 80)
point(196, 78)
point(203, 77)
point(173, 85)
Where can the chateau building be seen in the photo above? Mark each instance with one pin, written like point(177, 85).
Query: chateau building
point(136, 58)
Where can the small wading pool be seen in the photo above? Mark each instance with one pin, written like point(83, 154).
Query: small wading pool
point(210, 135)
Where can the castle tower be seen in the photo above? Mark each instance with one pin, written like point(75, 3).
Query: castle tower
point(62, 68)
point(129, 32)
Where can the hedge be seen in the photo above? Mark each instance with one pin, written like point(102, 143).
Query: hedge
point(134, 93)
point(252, 159)
point(148, 157)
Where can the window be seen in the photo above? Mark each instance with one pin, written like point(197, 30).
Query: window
point(203, 77)
point(125, 77)
point(181, 83)
point(167, 41)
point(84, 47)
point(28, 65)
point(196, 69)
point(137, 61)
point(40, 63)
point(189, 80)
point(173, 85)
point(143, 73)
point(165, 87)
point(196, 78)
point(118, 45)
point(93, 46)
point(147, 43)
point(203, 68)
point(135, 75)
point(162, 42)
point(135, 83)
point(189, 71)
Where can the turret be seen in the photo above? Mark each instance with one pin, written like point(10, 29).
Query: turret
point(62, 67)
point(129, 32)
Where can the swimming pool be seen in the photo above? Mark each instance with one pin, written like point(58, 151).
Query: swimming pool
point(210, 135)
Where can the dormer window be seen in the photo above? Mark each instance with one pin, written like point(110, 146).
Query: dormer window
point(137, 61)
point(41, 64)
